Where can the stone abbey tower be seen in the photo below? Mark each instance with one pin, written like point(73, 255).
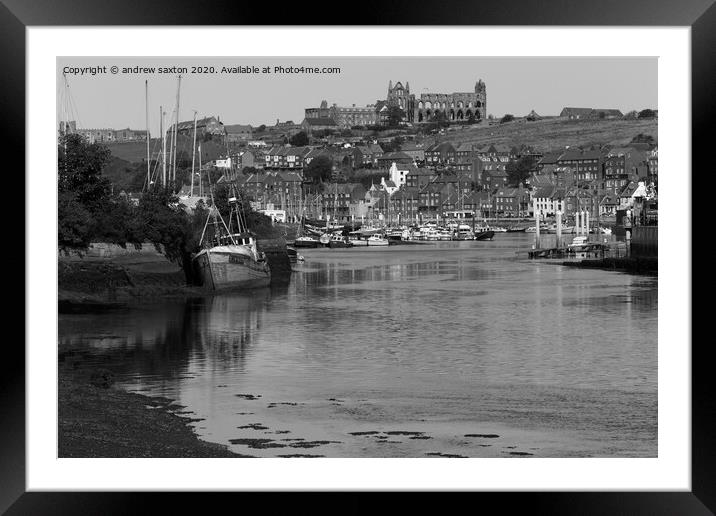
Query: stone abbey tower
point(454, 107)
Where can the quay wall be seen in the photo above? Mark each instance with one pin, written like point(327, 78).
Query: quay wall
point(645, 241)
point(106, 251)
point(277, 258)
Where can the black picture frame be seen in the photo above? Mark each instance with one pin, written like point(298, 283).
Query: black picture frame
point(16, 15)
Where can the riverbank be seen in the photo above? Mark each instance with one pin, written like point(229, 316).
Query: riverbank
point(648, 266)
point(107, 275)
point(108, 283)
point(94, 421)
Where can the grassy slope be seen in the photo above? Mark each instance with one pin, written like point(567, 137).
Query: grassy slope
point(556, 133)
point(136, 152)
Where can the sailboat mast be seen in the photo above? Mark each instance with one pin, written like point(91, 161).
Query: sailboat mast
point(193, 154)
point(201, 189)
point(164, 146)
point(146, 109)
point(176, 126)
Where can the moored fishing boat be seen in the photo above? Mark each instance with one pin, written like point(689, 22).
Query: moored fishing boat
point(229, 260)
point(306, 242)
point(293, 255)
point(337, 241)
point(358, 242)
point(484, 235)
point(377, 240)
point(552, 229)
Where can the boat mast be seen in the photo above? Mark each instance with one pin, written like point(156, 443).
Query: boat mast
point(193, 154)
point(164, 146)
point(176, 126)
point(215, 209)
point(146, 112)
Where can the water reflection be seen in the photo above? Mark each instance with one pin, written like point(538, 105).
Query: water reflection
point(168, 341)
point(441, 331)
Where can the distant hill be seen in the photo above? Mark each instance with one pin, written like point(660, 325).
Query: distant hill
point(555, 132)
point(136, 152)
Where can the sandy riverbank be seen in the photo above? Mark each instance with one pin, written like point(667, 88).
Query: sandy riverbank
point(107, 422)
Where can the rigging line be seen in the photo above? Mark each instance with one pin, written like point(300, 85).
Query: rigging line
point(73, 106)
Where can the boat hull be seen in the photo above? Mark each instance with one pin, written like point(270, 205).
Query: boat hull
point(230, 271)
point(306, 244)
point(484, 235)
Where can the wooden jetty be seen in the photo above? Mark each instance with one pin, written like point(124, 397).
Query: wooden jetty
point(587, 250)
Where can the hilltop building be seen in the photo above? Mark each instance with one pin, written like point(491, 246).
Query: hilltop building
point(205, 126)
point(455, 107)
point(344, 116)
point(573, 113)
point(399, 96)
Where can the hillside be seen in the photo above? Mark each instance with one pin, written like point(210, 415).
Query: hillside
point(544, 135)
point(136, 152)
point(555, 133)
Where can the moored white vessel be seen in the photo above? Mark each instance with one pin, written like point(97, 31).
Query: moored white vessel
point(229, 261)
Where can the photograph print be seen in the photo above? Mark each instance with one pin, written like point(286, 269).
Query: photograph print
point(357, 257)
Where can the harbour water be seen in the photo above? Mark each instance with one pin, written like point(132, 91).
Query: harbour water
point(440, 349)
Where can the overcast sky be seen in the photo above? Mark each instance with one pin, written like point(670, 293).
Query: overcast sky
point(514, 85)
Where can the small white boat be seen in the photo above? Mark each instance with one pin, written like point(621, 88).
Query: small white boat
point(377, 240)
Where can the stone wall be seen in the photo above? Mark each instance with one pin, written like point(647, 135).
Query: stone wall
point(645, 241)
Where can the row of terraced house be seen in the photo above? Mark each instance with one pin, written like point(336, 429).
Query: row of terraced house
point(570, 180)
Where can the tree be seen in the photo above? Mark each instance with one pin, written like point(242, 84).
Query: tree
point(647, 113)
point(169, 227)
point(393, 145)
point(507, 118)
point(74, 222)
point(395, 116)
point(299, 139)
point(319, 169)
point(247, 171)
point(79, 170)
point(643, 138)
point(519, 171)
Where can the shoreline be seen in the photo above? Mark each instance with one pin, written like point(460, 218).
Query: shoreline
point(642, 266)
point(95, 421)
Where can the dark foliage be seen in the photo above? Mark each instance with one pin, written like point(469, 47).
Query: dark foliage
point(518, 171)
point(299, 139)
point(319, 169)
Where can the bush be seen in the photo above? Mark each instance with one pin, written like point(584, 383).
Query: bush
point(299, 139)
